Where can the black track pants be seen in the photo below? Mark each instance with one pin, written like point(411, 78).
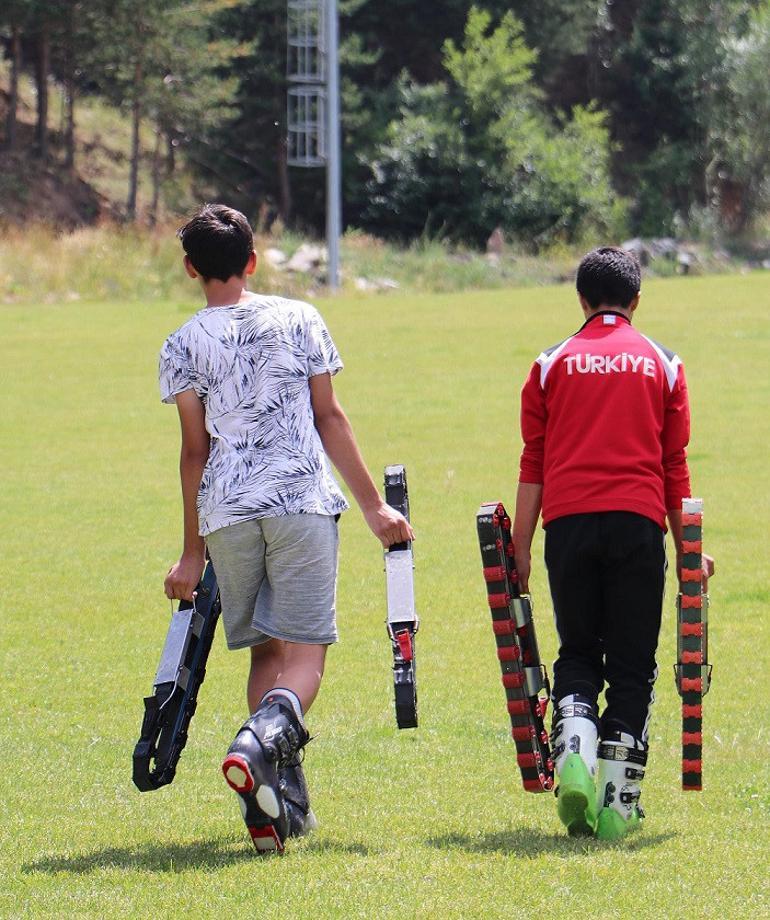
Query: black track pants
point(606, 571)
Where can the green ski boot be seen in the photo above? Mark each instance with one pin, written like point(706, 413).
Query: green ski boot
point(576, 797)
point(622, 760)
point(574, 736)
point(611, 826)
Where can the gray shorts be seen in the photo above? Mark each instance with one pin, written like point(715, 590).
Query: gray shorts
point(277, 578)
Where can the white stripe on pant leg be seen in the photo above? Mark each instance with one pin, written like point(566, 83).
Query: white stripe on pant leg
point(646, 726)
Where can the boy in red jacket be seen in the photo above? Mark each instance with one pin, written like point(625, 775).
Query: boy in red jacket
point(605, 422)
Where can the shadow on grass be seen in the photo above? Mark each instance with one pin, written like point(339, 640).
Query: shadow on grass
point(200, 854)
point(533, 843)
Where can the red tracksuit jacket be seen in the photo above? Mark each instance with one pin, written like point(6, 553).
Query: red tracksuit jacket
point(605, 421)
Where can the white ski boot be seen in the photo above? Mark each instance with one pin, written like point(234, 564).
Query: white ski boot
point(622, 759)
point(574, 736)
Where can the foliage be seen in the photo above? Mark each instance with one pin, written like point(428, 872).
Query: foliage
point(481, 151)
point(668, 97)
point(742, 127)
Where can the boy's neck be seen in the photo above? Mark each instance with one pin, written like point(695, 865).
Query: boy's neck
point(225, 293)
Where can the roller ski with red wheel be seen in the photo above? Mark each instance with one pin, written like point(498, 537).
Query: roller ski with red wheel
point(692, 670)
point(180, 673)
point(402, 622)
point(527, 689)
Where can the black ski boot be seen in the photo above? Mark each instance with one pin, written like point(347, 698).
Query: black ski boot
point(267, 741)
point(296, 799)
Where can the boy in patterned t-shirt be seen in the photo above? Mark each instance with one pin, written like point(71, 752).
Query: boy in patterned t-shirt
point(251, 379)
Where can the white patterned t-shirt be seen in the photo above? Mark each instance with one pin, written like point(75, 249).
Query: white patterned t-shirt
point(250, 364)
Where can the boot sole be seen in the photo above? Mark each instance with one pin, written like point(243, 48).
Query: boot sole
point(259, 807)
point(239, 777)
point(266, 839)
point(264, 835)
point(573, 808)
point(238, 773)
point(576, 798)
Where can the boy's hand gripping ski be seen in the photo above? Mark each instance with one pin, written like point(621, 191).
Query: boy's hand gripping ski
point(402, 620)
point(181, 671)
point(527, 689)
point(692, 670)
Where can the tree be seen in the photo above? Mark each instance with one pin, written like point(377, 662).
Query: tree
point(663, 72)
point(157, 60)
point(739, 173)
point(480, 151)
point(13, 20)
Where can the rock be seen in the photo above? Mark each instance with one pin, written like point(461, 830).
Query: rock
point(375, 284)
point(387, 284)
point(685, 260)
point(639, 248)
point(665, 246)
point(308, 257)
point(275, 257)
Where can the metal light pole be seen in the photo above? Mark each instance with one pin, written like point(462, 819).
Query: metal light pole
point(313, 107)
point(333, 149)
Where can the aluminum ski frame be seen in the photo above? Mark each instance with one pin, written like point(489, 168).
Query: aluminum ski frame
point(525, 679)
point(402, 622)
point(692, 670)
point(182, 668)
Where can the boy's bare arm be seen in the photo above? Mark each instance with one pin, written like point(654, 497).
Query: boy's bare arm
point(340, 445)
point(528, 501)
point(185, 574)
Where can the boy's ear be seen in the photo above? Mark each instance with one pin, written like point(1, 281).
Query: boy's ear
point(586, 306)
point(251, 265)
point(634, 303)
point(188, 267)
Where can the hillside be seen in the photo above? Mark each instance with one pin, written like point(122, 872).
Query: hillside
point(95, 190)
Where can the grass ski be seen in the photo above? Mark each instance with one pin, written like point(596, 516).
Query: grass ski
point(692, 670)
point(525, 680)
point(402, 621)
point(182, 668)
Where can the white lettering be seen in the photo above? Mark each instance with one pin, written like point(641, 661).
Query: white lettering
point(586, 369)
point(610, 364)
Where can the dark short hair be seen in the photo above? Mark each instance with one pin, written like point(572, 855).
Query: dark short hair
point(609, 276)
point(218, 241)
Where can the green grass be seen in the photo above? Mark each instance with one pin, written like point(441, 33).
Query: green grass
point(426, 823)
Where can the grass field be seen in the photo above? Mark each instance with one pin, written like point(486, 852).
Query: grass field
point(426, 823)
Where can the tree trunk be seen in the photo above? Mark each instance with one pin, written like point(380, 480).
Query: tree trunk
point(136, 120)
point(69, 96)
point(13, 90)
point(156, 163)
point(42, 67)
point(284, 185)
point(170, 155)
point(69, 124)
